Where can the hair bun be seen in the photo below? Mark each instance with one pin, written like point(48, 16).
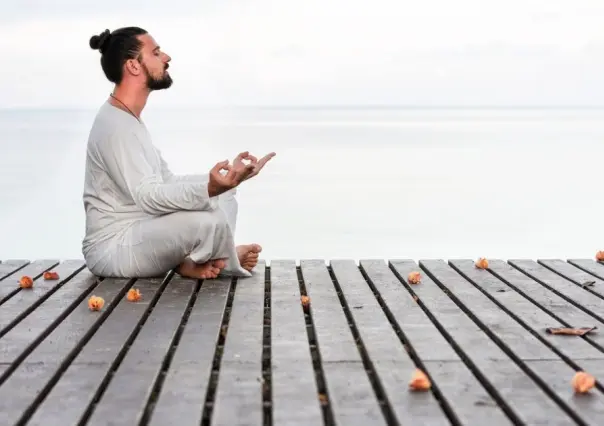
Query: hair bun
point(98, 42)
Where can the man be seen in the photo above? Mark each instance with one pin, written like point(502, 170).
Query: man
point(141, 219)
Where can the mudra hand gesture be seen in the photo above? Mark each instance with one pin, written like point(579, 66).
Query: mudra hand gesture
point(236, 173)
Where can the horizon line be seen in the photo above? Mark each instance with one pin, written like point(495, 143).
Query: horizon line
point(313, 106)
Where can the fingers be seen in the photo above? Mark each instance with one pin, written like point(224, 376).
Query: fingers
point(223, 165)
point(266, 159)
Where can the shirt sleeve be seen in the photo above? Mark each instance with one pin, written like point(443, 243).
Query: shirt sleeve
point(129, 161)
point(199, 178)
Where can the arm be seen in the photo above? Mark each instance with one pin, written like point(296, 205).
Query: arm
point(199, 178)
point(128, 161)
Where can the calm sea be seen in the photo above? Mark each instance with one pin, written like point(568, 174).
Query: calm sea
point(346, 183)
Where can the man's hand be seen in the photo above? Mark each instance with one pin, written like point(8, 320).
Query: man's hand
point(236, 173)
point(219, 183)
point(258, 164)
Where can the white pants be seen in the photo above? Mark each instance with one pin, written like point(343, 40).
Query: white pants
point(153, 246)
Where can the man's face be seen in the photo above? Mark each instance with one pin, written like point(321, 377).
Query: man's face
point(155, 64)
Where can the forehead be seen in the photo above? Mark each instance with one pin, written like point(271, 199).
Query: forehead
point(149, 43)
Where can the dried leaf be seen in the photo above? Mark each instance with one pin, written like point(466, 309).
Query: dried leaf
point(50, 275)
point(134, 295)
point(323, 398)
point(419, 381)
point(26, 282)
point(305, 302)
point(482, 263)
point(414, 277)
point(582, 382)
point(570, 331)
point(588, 284)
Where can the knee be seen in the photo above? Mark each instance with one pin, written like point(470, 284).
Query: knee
point(203, 222)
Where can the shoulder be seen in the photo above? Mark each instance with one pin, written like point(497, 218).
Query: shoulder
point(114, 128)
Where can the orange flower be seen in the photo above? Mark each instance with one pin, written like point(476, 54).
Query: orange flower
point(26, 282)
point(414, 277)
point(134, 295)
point(600, 255)
point(482, 263)
point(583, 382)
point(305, 302)
point(48, 275)
point(96, 303)
point(419, 381)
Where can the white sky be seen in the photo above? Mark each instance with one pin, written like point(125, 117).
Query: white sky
point(336, 52)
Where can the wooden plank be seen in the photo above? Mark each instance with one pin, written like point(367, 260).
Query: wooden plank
point(351, 396)
point(466, 395)
point(69, 398)
point(575, 275)
point(25, 301)
point(567, 314)
point(186, 382)
point(36, 326)
point(584, 300)
point(239, 392)
point(589, 265)
point(9, 286)
point(294, 388)
point(131, 386)
point(19, 392)
point(521, 344)
point(533, 320)
point(513, 388)
point(10, 267)
point(385, 349)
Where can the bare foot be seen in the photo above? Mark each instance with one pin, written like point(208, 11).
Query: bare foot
point(208, 270)
point(248, 255)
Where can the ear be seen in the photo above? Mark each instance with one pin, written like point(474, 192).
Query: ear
point(133, 66)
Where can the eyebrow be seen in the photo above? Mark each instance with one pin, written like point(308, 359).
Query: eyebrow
point(155, 49)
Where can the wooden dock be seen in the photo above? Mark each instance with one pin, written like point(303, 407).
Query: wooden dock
point(247, 352)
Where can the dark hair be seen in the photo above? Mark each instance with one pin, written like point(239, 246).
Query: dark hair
point(116, 48)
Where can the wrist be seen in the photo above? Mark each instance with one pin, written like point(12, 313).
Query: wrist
point(213, 190)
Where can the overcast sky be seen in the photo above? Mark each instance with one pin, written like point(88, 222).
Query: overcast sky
point(335, 52)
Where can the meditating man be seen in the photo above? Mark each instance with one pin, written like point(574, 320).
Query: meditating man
point(141, 219)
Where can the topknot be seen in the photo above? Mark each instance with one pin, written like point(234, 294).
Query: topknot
point(98, 42)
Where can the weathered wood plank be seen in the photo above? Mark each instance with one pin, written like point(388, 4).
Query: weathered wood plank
point(9, 286)
point(22, 303)
point(589, 265)
point(567, 314)
point(131, 386)
point(534, 320)
point(71, 395)
point(514, 388)
point(41, 321)
point(19, 392)
point(466, 395)
point(385, 349)
point(584, 300)
point(351, 395)
point(186, 382)
point(575, 275)
point(521, 344)
point(239, 393)
point(10, 267)
point(294, 388)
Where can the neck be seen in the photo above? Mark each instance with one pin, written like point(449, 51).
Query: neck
point(135, 98)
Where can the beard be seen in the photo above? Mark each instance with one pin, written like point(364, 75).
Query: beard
point(154, 83)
